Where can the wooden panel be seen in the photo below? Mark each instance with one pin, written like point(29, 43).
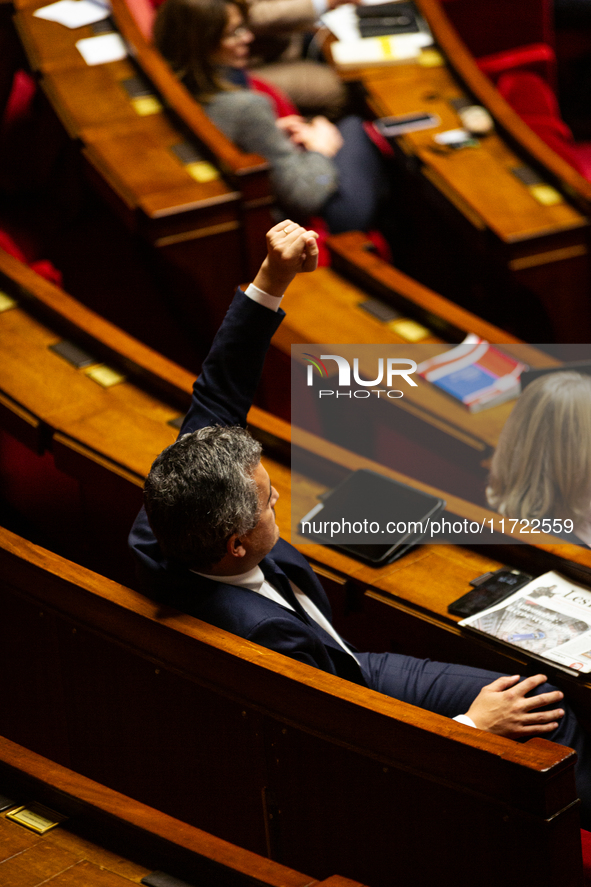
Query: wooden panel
point(68, 91)
point(15, 840)
point(334, 760)
point(39, 673)
point(352, 257)
point(101, 822)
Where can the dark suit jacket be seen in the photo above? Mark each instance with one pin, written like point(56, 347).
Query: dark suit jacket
point(222, 395)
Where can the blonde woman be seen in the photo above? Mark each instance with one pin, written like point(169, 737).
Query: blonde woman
point(541, 468)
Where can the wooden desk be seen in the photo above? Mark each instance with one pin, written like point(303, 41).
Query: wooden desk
point(391, 430)
point(499, 229)
point(204, 212)
point(104, 440)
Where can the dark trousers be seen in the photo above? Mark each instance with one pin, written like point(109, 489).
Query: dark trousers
point(362, 180)
point(449, 690)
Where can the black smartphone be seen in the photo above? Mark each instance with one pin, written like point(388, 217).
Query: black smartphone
point(396, 126)
point(488, 590)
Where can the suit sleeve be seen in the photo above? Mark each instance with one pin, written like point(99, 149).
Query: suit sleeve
point(291, 638)
point(223, 393)
point(302, 180)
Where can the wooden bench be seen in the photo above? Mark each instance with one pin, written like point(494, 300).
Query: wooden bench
point(109, 839)
point(266, 752)
point(74, 456)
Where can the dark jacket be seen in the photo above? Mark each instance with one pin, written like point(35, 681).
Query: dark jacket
point(222, 395)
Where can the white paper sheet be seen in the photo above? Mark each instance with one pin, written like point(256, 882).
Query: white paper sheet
point(102, 49)
point(74, 13)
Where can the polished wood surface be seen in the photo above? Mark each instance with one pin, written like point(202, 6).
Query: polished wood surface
point(336, 315)
point(109, 838)
point(106, 439)
point(204, 216)
point(352, 257)
point(462, 61)
point(181, 715)
point(501, 231)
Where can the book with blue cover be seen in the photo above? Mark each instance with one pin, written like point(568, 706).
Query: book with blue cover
point(475, 373)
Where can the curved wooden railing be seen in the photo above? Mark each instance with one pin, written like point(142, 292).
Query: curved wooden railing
point(462, 61)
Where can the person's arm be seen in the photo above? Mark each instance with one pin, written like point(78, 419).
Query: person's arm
point(504, 708)
point(271, 16)
point(302, 180)
point(223, 393)
point(319, 135)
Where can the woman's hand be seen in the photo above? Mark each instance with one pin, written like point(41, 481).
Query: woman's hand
point(290, 124)
point(319, 135)
point(290, 249)
point(503, 708)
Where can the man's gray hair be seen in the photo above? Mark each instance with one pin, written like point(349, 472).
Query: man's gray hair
point(200, 491)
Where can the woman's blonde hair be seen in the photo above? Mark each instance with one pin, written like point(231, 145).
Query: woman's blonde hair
point(187, 33)
point(542, 465)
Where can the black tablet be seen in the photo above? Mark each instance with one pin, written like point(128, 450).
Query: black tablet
point(371, 516)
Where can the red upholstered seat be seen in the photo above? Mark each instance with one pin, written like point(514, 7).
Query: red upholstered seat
point(536, 104)
point(19, 101)
point(144, 13)
point(24, 253)
point(491, 26)
point(539, 58)
point(586, 847)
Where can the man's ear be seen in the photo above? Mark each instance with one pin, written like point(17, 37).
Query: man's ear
point(234, 546)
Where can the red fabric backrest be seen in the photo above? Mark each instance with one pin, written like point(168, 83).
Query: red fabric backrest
point(42, 266)
point(20, 100)
point(282, 105)
point(537, 106)
point(586, 846)
point(144, 13)
point(527, 93)
point(537, 57)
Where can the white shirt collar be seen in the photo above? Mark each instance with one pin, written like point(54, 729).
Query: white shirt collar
point(252, 580)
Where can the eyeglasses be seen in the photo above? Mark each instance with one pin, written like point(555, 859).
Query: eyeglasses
point(237, 34)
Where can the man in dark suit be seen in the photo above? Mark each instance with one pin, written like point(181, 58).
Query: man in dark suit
point(207, 542)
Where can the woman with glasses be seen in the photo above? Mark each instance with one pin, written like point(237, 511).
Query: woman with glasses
point(317, 168)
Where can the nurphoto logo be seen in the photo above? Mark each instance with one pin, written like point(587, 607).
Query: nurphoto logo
point(388, 370)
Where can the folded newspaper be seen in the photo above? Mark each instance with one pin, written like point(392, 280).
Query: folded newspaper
point(549, 617)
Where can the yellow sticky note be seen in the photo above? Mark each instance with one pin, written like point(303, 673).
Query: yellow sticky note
point(409, 330)
point(6, 301)
point(202, 171)
point(546, 194)
point(431, 58)
point(105, 376)
point(146, 105)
